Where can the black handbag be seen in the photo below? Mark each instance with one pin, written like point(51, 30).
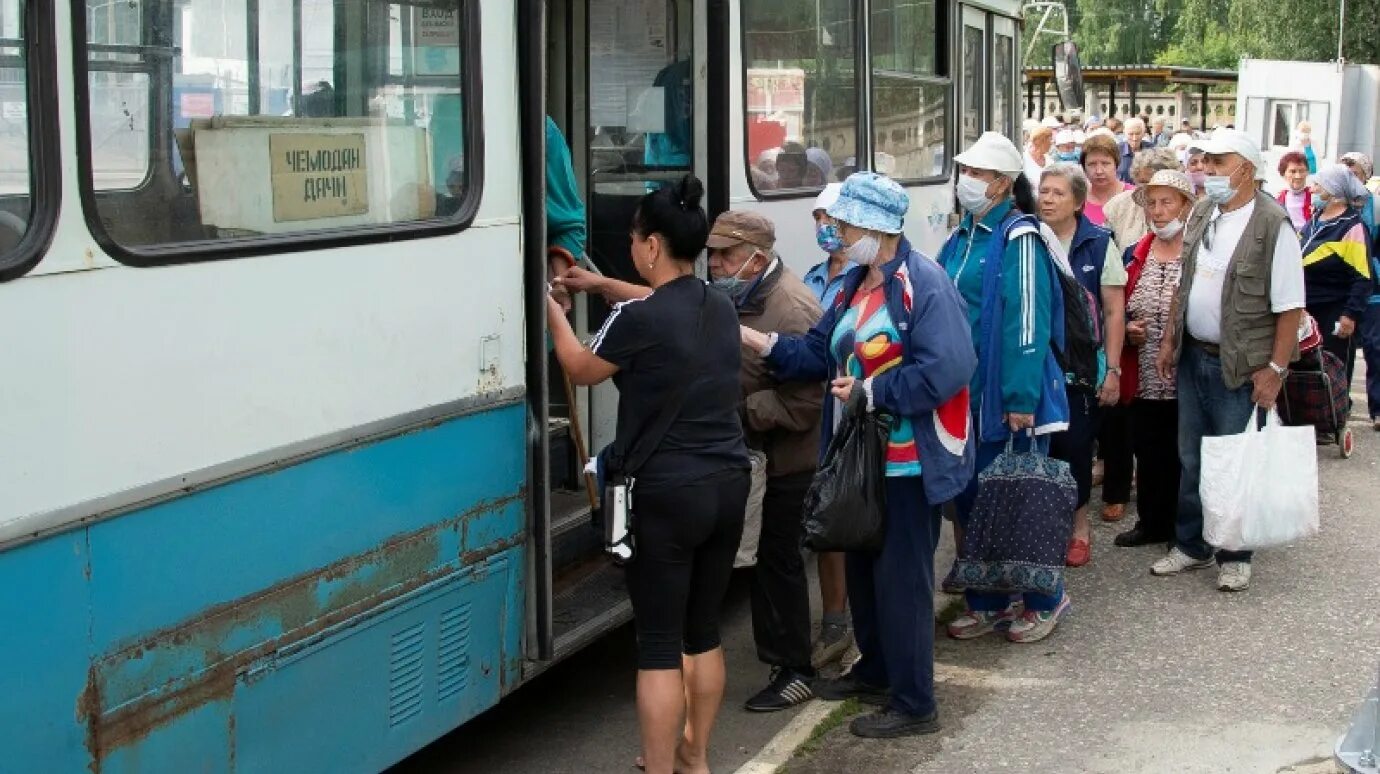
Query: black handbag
point(622, 465)
point(845, 506)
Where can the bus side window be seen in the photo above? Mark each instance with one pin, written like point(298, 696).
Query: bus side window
point(21, 179)
point(213, 120)
point(801, 98)
point(910, 90)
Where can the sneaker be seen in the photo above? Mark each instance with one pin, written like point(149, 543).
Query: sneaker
point(786, 689)
point(975, 623)
point(1035, 625)
point(1176, 561)
point(834, 640)
point(846, 686)
point(1234, 576)
point(887, 723)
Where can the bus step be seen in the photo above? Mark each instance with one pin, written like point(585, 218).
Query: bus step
point(569, 510)
point(573, 538)
point(591, 605)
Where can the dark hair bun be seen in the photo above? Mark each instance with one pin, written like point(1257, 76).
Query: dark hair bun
point(690, 192)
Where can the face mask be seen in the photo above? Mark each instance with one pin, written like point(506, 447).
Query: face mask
point(1072, 155)
point(972, 195)
point(864, 251)
point(735, 285)
point(1168, 230)
point(1198, 179)
point(828, 239)
point(1219, 188)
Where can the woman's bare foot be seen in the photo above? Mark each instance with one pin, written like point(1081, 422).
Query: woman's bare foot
point(684, 763)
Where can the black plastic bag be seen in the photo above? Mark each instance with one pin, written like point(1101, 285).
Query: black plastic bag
point(845, 507)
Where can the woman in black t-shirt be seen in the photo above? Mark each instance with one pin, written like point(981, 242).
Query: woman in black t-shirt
point(676, 337)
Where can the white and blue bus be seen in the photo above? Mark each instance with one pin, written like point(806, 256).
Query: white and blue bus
point(287, 479)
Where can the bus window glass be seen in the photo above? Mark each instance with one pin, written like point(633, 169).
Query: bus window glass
point(118, 93)
point(974, 76)
point(16, 183)
point(1003, 84)
point(909, 97)
point(801, 94)
point(237, 119)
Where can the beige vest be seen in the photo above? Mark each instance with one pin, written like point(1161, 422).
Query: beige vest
point(1248, 324)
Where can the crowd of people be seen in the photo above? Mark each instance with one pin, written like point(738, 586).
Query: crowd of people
point(1200, 283)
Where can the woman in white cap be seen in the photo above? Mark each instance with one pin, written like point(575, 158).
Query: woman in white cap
point(825, 280)
point(1018, 390)
point(1065, 149)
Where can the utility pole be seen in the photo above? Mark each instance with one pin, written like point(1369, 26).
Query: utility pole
point(1341, 34)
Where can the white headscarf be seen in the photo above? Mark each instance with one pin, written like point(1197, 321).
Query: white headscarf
point(1338, 181)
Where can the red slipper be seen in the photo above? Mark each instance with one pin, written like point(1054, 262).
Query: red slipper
point(1080, 553)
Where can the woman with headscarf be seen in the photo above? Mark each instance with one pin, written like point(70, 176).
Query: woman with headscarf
point(1336, 261)
point(894, 341)
point(1018, 389)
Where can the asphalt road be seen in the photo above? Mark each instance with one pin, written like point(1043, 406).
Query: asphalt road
point(580, 716)
point(1146, 675)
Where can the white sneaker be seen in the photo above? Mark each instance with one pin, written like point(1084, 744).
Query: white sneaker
point(1176, 561)
point(1234, 576)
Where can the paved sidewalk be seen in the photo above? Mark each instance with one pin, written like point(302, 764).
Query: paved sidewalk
point(1168, 674)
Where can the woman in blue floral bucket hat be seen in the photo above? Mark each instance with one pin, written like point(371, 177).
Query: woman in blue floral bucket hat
point(895, 338)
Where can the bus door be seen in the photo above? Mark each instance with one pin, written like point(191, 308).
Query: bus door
point(622, 85)
point(972, 92)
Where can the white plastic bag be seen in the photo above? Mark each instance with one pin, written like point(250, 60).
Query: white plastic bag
point(1259, 488)
point(752, 519)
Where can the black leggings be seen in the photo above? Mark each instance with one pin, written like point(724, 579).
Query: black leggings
point(1075, 445)
point(686, 537)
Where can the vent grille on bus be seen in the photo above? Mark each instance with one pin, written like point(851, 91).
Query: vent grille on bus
point(453, 653)
point(405, 670)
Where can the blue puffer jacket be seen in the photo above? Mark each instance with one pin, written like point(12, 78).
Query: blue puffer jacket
point(929, 387)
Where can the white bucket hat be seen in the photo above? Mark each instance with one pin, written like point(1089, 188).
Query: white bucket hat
point(1225, 141)
point(993, 151)
point(828, 196)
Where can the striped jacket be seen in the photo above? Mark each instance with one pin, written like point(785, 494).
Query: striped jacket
point(1015, 315)
point(1337, 262)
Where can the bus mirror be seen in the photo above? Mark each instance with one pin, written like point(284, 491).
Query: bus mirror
point(1068, 75)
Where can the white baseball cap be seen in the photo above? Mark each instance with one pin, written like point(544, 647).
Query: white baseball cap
point(993, 151)
point(1065, 137)
point(828, 196)
point(1235, 141)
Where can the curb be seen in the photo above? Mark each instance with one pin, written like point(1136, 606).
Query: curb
point(782, 747)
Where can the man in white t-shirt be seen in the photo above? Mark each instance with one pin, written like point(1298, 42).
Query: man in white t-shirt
point(1234, 330)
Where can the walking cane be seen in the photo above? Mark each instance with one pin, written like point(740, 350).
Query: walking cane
point(562, 256)
point(579, 439)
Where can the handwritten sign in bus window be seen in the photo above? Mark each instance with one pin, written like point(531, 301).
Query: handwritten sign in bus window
point(318, 176)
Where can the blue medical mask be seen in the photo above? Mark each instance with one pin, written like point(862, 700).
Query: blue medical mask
point(827, 237)
point(1072, 155)
point(735, 285)
point(1218, 188)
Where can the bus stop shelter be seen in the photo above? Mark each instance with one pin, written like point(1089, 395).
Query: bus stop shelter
point(1128, 79)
